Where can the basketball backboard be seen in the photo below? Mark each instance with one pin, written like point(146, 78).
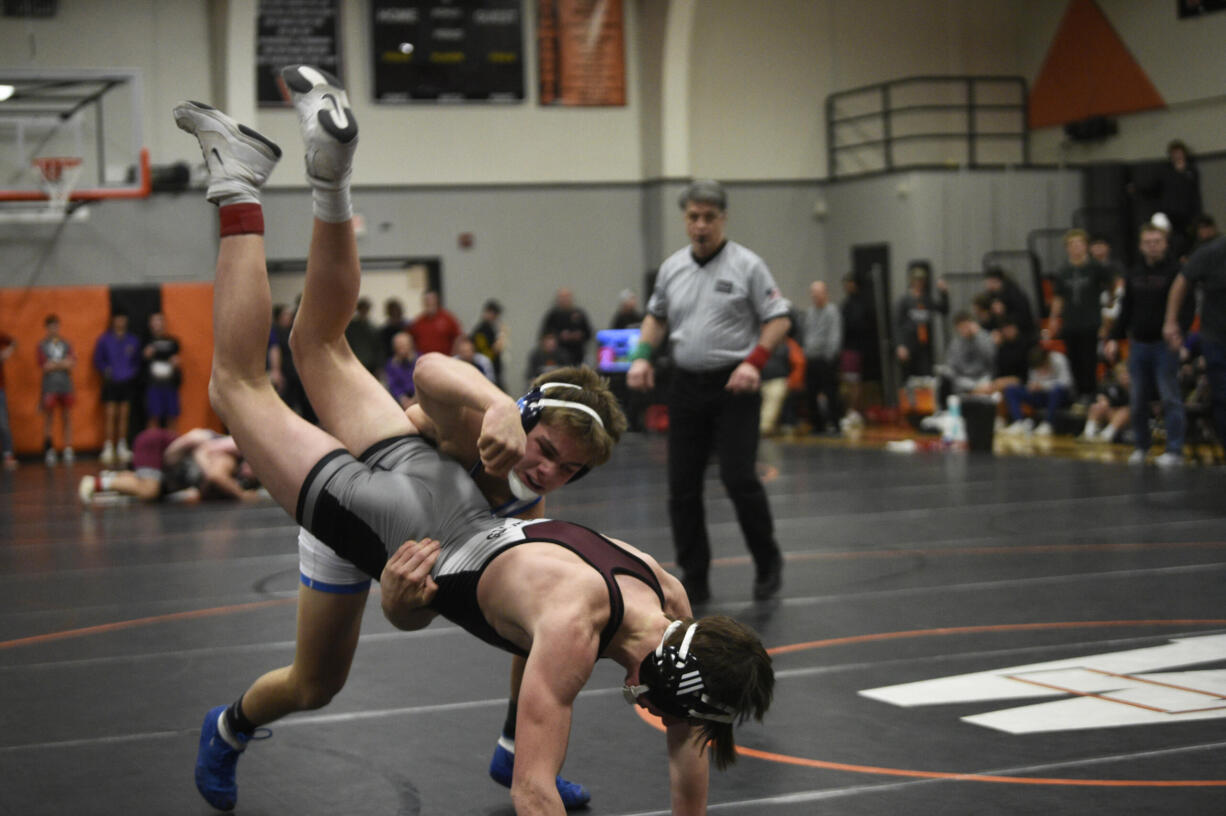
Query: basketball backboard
point(94, 116)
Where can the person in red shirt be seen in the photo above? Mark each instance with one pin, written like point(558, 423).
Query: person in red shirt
point(435, 329)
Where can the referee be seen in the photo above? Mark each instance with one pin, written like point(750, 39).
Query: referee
point(725, 315)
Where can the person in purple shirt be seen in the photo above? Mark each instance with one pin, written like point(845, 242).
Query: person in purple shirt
point(117, 356)
point(399, 369)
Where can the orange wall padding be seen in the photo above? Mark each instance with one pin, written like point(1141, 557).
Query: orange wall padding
point(1088, 71)
point(83, 312)
point(188, 308)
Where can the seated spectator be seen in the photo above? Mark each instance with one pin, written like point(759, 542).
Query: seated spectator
point(628, 314)
point(969, 363)
point(398, 370)
point(569, 324)
point(464, 350)
point(1012, 359)
point(1005, 297)
point(200, 464)
point(981, 308)
point(1108, 415)
point(1049, 387)
point(545, 357)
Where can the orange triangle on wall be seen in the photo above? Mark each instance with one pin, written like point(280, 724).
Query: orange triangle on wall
point(1088, 71)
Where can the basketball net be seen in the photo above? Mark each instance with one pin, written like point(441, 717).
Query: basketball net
point(60, 174)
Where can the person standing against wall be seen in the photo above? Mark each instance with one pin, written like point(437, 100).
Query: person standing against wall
point(117, 359)
point(915, 321)
point(56, 359)
point(569, 324)
point(823, 340)
point(1076, 309)
point(162, 356)
point(725, 315)
point(490, 338)
point(7, 346)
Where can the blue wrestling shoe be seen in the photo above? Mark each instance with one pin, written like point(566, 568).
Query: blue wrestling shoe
point(215, 762)
point(502, 765)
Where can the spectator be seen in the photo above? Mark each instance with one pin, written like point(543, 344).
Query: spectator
point(163, 374)
point(822, 336)
point(117, 359)
point(915, 322)
point(281, 368)
point(628, 314)
point(1205, 268)
point(545, 357)
point(1005, 297)
point(1108, 415)
point(1175, 192)
point(56, 359)
point(490, 338)
point(857, 343)
point(398, 372)
point(7, 346)
point(726, 316)
point(465, 351)
point(970, 360)
point(1012, 359)
point(199, 464)
point(1152, 365)
point(1206, 230)
point(434, 328)
point(1048, 387)
point(1076, 309)
point(364, 338)
point(774, 389)
point(569, 324)
point(393, 324)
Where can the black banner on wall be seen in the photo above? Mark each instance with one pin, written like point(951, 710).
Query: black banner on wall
point(292, 32)
point(457, 51)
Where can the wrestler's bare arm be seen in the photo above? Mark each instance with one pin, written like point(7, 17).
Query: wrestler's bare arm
point(688, 772)
point(564, 650)
point(466, 414)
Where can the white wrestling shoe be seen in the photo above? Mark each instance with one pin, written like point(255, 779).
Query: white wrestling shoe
point(239, 160)
point(329, 130)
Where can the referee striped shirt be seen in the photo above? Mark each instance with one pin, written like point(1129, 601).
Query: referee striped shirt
point(715, 310)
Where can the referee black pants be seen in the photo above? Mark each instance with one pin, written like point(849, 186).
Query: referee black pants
point(703, 417)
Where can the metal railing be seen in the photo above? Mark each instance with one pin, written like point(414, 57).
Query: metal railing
point(928, 121)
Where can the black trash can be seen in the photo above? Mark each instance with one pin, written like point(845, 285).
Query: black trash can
point(979, 415)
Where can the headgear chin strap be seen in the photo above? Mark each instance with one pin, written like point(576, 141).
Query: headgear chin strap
point(530, 407)
point(672, 682)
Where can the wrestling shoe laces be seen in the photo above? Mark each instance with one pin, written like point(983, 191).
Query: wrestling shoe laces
point(239, 159)
point(329, 129)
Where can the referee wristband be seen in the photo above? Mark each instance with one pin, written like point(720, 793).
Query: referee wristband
point(641, 352)
point(758, 357)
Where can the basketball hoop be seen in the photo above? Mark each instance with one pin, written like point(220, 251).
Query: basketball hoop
point(60, 175)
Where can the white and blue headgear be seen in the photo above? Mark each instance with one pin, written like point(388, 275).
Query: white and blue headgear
point(530, 407)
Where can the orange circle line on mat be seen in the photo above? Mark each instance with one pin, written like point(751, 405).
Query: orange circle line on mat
point(787, 759)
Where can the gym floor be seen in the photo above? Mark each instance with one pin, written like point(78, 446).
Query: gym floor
point(958, 634)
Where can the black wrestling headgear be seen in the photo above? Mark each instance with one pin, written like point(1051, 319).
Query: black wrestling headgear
point(671, 679)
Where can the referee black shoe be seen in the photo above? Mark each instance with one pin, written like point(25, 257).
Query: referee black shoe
point(769, 581)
